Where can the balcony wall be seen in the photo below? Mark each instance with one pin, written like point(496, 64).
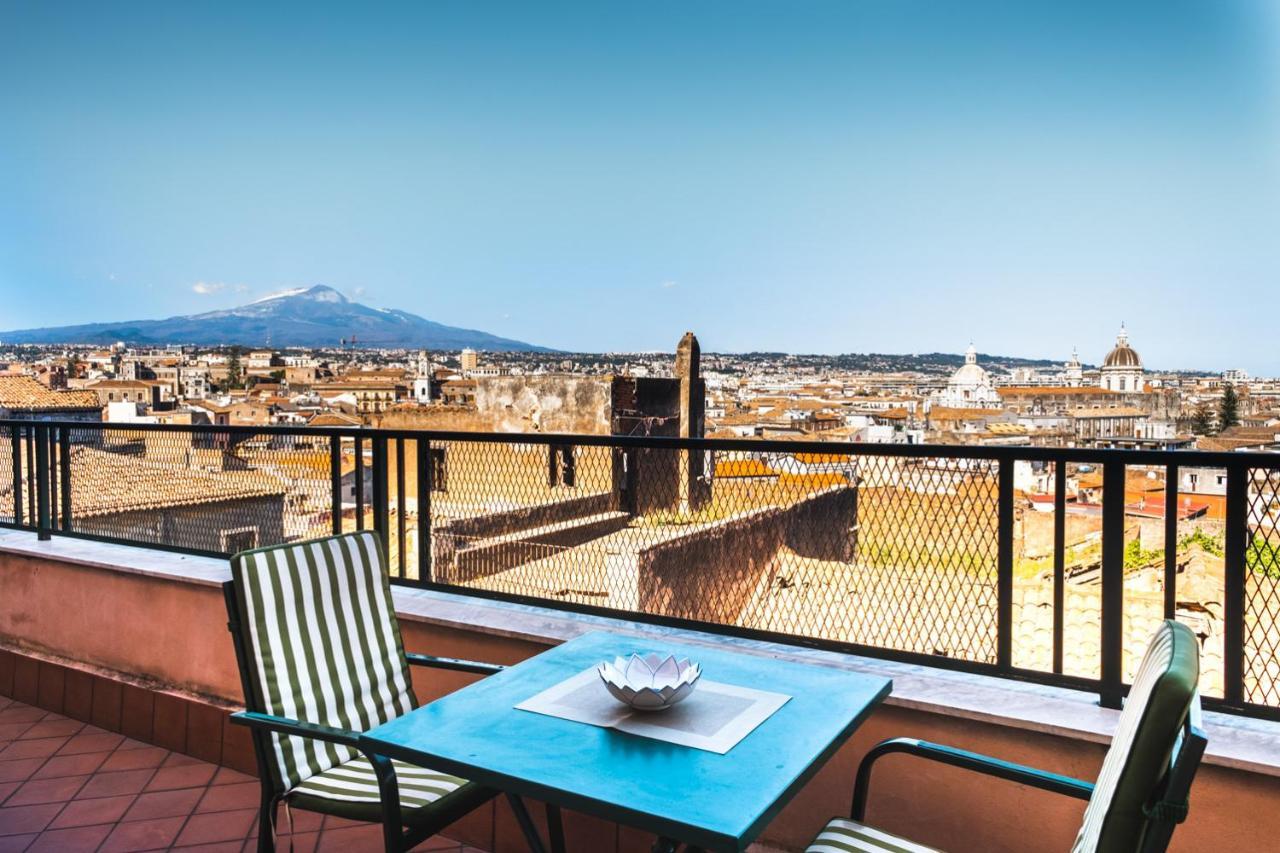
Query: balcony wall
point(136, 641)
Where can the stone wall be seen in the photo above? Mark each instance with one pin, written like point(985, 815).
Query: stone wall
point(712, 573)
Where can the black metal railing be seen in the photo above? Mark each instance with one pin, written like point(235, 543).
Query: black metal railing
point(1043, 564)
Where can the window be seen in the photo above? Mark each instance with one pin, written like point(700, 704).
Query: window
point(240, 539)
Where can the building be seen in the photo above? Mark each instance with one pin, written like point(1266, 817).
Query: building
point(1056, 399)
point(1122, 368)
point(970, 387)
point(1073, 371)
point(124, 391)
point(369, 397)
point(23, 398)
point(470, 360)
point(1105, 427)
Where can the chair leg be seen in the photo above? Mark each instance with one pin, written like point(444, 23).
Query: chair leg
point(267, 822)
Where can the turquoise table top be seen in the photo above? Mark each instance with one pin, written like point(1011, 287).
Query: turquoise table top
point(720, 802)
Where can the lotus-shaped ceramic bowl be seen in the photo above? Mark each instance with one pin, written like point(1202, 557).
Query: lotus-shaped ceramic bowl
point(650, 682)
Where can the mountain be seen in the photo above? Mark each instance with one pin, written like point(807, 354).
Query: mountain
point(316, 316)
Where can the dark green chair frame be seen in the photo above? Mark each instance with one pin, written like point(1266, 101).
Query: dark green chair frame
point(1166, 808)
point(396, 836)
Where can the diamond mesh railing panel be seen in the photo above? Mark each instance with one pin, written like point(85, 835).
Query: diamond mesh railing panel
point(10, 464)
point(888, 552)
point(210, 491)
point(1261, 663)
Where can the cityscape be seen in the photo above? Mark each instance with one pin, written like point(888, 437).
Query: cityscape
point(580, 427)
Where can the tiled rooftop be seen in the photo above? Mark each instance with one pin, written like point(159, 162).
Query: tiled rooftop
point(68, 786)
point(24, 394)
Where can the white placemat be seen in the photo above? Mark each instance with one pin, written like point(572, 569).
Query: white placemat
point(715, 717)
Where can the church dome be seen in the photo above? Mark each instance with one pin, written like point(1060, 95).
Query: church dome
point(970, 373)
point(1123, 355)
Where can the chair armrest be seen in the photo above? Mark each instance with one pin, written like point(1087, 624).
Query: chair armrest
point(285, 726)
point(966, 760)
point(454, 664)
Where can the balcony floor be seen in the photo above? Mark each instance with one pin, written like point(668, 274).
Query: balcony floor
point(67, 786)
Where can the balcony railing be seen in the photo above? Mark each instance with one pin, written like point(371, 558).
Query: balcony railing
point(1044, 564)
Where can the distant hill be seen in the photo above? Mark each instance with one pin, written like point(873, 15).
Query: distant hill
point(316, 316)
point(932, 362)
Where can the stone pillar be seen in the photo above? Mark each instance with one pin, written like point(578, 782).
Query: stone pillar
point(694, 488)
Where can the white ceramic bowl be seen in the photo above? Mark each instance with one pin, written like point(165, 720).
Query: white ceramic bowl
point(650, 682)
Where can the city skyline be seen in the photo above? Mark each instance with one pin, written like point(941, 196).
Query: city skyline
point(827, 179)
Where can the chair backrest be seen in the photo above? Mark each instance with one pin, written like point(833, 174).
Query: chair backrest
point(1134, 782)
point(320, 643)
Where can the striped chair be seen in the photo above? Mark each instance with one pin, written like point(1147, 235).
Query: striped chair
point(321, 659)
point(1141, 792)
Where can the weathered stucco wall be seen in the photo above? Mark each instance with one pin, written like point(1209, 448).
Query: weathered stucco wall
point(555, 403)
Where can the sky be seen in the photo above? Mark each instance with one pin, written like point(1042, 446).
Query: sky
point(820, 177)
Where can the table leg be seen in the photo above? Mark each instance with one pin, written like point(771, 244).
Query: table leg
point(526, 824)
point(555, 828)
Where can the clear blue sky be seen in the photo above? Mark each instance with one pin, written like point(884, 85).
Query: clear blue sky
point(861, 175)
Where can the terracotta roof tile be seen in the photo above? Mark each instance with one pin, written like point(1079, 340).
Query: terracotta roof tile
point(22, 393)
point(106, 483)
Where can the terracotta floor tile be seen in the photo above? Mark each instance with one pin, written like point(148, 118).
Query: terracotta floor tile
point(79, 839)
point(130, 743)
point(19, 713)
point(36, 748)
point(218, 826)
point(53, 728)
point(221, 798)
point(89, 812)
point(93, 742)
point(227, 776)
point(164, 804)
point(58, 790)
point(19, 819)
point(303, 821)
point(215, 847)
point(346, 839)
point(185, 776)
point(177, 759)
point(135, 759)
point(303, 842)
point(335, 822)
point(114, 784)
point(13, 731)
point(20, 770)
point(439, 842)
point(7, 788)
point(71, 765)
point(142, 835)
point(15, 843)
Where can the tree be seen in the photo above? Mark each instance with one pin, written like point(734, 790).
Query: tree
point(1229, 408)
point(235, 376)
point(1202, 420)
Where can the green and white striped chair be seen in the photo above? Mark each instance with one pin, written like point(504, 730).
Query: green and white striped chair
point(321, 660)
point(1141, 792)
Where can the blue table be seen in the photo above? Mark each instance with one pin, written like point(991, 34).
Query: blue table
point(700, 798)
